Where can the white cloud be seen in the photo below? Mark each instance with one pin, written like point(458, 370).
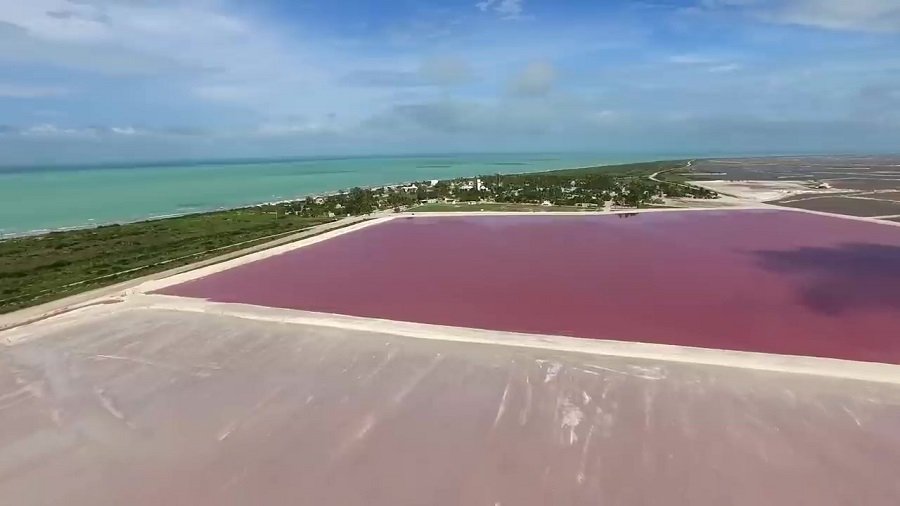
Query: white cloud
point(54, 131)
point(506, 9)
point(50, 130)
point(232, 76)
point(874, 15)
point(538, 79)
point(691, 59)
point(18, 45)
point(12, 90)
point(709, 63)
point(724, 68)
point(859, 15)
point(221, 56)
point(124, 130)
point(249, 70)
point(604, 117)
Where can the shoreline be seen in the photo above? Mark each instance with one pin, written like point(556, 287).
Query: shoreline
point(40, 232)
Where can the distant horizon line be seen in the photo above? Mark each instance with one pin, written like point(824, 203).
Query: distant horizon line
point(198, 161)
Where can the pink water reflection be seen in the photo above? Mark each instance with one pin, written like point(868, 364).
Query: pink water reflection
point(769, 281)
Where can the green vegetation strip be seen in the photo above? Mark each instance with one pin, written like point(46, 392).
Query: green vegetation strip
point(34, 270)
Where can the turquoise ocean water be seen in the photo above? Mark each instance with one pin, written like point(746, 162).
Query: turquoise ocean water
point(39, 199)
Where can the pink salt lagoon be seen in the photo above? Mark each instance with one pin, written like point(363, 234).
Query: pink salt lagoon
point(766, 281)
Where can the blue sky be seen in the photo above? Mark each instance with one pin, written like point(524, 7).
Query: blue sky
point(100, 80)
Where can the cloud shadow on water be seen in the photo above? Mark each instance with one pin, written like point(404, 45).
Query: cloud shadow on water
point(836, 280)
